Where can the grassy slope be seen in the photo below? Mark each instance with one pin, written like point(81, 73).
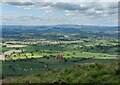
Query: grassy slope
point(87, 73)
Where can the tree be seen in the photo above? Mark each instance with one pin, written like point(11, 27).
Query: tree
point(65, 60)
point(32, 54)
point(68, 54)
point(73, 53)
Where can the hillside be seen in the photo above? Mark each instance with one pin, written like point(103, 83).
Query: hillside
point(42, 31)
point(87, 73)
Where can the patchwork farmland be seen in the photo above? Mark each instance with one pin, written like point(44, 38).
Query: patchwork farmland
point(52, 51)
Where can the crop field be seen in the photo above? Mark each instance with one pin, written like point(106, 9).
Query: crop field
point(105, 50)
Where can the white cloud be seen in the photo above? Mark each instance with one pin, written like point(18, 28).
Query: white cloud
point(74, 9)
point(47, 9)
point(60, 0)
point(88, 8)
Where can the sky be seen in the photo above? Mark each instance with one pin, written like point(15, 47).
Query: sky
point(54, 12)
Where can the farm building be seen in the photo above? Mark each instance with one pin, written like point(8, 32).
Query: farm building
point(59, 57)
point(2, 57)
point(12, 51)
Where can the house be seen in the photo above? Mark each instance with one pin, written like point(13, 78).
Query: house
point(2, 57)
point(12, 51)
point(59, 57)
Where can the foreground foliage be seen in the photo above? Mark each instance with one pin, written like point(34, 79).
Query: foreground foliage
point(87, 73)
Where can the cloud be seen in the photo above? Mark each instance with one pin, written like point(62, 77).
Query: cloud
point(70, 13)
point(87, 8)
point(29, 18)
point(20, 3)
point(47, 9)
point(73, 10)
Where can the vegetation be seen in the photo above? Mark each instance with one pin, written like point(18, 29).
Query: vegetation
point(23, 67)
point(30, 54)
point(82, 73)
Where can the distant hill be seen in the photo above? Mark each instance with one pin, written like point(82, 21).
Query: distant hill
point(36, 31)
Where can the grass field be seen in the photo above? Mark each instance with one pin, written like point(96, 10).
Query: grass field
point(68, 49)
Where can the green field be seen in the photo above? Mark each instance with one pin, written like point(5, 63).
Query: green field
point(82, 73)
point(27, 66)
point(30, 54)
point(68, 49)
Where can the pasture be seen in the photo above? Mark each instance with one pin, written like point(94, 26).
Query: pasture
point(77, 49)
